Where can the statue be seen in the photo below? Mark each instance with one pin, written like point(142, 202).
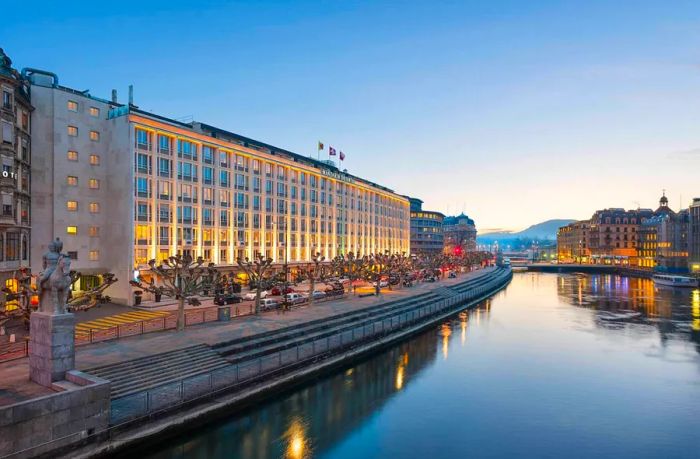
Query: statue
point(54, 281)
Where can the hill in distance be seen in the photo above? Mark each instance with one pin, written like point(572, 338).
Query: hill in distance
point(544, 230)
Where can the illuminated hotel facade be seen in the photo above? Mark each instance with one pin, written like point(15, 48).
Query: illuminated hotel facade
point(121, 186)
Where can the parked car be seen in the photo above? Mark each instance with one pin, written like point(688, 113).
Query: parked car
point(335, 290)
point(268, 303)
point(394, 280)
point(452, 275)
point(277, 290)
point(382, 283)
point(430, 279)
point(407, 283)
point(251, 295)
point(221, 300)
point(295, 298)
point(318, 294)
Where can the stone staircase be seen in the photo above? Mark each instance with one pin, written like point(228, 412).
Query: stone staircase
point(146, 372)
point(445, 292)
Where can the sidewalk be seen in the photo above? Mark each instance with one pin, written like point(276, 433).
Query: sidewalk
point(16, 372)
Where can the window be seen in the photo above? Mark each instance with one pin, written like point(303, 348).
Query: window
point(72, 205)
point(94, 136)
point(7, 132)
point(143, 139)
point(94, 184)
point(73, 255)
point(94, 111)
point(72, 131)
point(94, 207)
point(72, 230)
point(95, 160)
point(72, 106)
point(72, 155)
point(94, 231)
point(7, 99)
point(163, 144)
point(72, 180)
point(94, 255)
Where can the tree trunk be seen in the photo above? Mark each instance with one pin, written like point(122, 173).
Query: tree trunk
point(181, 313)
point(311, 290)
point(257, 298)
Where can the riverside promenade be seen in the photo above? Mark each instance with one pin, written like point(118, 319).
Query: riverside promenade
point(14, 380)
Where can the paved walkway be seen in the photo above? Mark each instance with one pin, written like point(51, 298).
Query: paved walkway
point(16, 372)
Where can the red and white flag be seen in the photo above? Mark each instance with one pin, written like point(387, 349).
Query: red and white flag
point(331, 151)
point(342, 156)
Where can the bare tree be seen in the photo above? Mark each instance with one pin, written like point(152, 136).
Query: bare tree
point(93, 297)
point(257, 271)
point(314, 271)
point(182, 278)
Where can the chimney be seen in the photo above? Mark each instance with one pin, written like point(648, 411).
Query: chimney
point(131, 94)
point(114, 96)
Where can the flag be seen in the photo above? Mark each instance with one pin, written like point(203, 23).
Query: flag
point(342, 156)
point(331, 151)
point(320, 146)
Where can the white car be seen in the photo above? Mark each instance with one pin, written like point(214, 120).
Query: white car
point(382, 284)
point(318, 294)
point(295, 298)
point(268, 303)
point(251, 295)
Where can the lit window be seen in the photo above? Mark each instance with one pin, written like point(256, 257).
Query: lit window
point(94, 255)
point(94, 231)
point(72, 106)
point(94, 184)
point(72, 155)
point(94, 207)
point(72, 205)
point(72, 131)
point(95, 160)
point(95, 136)
point(72, 229)
point(72, 180)
point(94, 111)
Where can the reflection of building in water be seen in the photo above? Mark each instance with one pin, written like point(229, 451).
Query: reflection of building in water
point(325, 412)
point(670, 310)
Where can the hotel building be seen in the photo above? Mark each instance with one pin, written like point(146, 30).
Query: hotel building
point(122, 186)
point(15, 185)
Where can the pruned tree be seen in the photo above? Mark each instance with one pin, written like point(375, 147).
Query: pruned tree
point(314, 272)
point(93, 297)
point(182, 278)
point(258, 271)
point(23, 296)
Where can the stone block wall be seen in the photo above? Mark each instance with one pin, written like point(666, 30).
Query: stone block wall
point(79, 408)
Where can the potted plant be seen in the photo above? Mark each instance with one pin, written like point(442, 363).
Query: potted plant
point(138, 294)
point(158, 293)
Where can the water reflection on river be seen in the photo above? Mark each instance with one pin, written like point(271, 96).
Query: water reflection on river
point(554, 366)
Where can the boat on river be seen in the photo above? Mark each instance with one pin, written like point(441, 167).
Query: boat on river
point(671, 280)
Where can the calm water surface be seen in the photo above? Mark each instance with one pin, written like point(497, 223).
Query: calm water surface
point(567, 366)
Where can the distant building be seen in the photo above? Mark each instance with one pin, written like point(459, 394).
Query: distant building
point(694, 237)
point(15, 186)
point(426, 229)
point(608, 237)
point(459, 234)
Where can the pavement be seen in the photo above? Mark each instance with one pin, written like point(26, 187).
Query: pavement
point(15, 384)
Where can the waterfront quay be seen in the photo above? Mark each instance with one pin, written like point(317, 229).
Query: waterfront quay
point(162, 383)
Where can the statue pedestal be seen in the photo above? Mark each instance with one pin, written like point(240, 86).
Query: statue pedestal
point(51, 347)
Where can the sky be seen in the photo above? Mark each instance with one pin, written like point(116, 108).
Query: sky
point(514, 112)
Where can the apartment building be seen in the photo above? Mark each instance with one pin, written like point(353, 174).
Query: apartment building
point(15, 184)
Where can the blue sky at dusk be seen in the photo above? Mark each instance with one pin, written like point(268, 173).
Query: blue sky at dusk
point(515, 112)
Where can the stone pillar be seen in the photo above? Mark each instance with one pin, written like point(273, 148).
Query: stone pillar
point(51, 347)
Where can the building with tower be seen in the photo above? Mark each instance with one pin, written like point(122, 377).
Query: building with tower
point(459, 234)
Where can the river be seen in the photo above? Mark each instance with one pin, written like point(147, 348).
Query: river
point(556, 365)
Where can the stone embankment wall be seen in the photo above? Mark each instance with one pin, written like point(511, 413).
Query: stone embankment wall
point(79, 409)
